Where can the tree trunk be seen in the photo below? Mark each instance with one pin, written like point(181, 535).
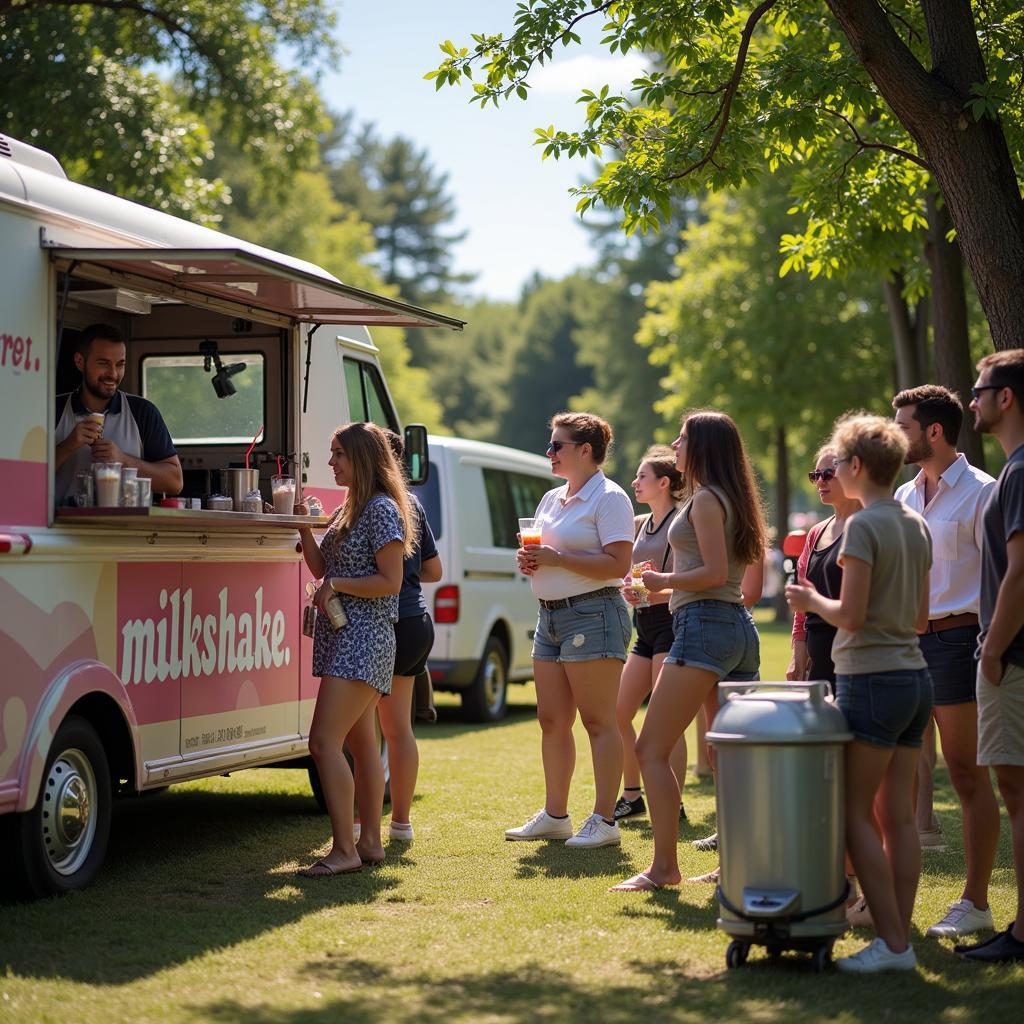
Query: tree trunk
point(911, 366)
point(953, 367)
point(781, 510)
point(970, 159)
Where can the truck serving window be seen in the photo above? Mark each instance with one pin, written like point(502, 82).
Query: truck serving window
point(194, 414)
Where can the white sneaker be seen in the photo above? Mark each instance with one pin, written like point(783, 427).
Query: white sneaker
point(962, 918)
point(878, 957)
point(595, 832)
point(401, 831)
point(541, 826)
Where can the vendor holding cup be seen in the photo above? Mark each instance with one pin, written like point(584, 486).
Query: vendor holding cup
point(99, 423)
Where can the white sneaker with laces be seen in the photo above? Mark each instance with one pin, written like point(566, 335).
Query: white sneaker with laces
point(541, 826)
point(595, 832)
point(962, 918)
point(878, 957)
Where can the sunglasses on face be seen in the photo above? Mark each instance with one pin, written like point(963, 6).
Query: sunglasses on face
point(821, 474)
point(556, 446)
point(977, 392)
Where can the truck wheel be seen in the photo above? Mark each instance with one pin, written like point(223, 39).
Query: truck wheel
point(486, 700)
point(60, 844)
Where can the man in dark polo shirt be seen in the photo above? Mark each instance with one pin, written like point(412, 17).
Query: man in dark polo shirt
point(998, 406)
point(131, 430)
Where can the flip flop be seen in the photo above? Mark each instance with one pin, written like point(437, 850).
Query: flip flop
point(638, 883)
point(710, 878)
point(321, 869)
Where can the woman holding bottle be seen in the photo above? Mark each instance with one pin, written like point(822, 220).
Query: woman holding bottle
point(359, 558)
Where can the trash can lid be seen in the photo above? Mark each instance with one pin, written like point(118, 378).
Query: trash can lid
point(778, 713)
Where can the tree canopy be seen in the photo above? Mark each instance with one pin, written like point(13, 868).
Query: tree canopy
point(894, 91)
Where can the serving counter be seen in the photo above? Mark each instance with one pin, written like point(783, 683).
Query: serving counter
point(184, 518)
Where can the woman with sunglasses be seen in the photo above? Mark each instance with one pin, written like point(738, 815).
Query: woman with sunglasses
point(583, 627)
point(716, 535)
point(819, 566)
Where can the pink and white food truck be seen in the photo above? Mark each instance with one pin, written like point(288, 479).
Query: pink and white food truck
point(145, 646)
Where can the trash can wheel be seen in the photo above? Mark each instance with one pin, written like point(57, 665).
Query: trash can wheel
point(821, 958)
point(736, 954)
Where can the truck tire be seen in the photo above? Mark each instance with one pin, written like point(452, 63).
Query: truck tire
point(60, 844)
point(486, 700)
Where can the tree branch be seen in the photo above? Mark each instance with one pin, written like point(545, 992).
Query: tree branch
point(731, 87)
point(863, 144)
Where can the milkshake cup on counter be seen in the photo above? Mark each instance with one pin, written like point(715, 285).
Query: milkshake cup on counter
point(144, 497)
point(282, 489)
point(129, 486)
point(107, 484)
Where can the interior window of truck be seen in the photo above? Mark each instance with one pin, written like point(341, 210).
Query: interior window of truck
point(367, 399)
point(180, 388)
point(526, 493)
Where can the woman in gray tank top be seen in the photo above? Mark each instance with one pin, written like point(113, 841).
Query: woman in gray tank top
point(717, 533)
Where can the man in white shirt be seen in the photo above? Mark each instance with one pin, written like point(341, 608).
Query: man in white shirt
point(951, 495)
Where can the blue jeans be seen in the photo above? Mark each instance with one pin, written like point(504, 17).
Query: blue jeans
point(888, 709)
point(950, 657)
point(718, 637)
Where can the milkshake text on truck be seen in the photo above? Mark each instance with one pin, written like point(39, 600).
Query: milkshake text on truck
point(141, 646)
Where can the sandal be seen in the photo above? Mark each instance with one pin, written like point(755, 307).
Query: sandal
point(638, 883)
point(321, 869)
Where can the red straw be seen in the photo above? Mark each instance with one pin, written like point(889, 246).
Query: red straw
point(279, 473)
point(253, 445)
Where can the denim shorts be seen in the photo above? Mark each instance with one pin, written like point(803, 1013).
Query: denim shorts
point(597, 627)
point(716, 636)
point(888, 709)
point(950, 657)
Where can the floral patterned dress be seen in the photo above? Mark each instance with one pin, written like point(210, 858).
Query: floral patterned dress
point(364, 649)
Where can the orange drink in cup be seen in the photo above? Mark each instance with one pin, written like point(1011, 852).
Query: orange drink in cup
point(529, 531)
point(637, 575)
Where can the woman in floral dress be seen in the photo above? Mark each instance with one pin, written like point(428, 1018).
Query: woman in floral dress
point(359, 558)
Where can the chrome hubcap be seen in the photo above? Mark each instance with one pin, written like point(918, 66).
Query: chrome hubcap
point(494, 683)
point(68, 815)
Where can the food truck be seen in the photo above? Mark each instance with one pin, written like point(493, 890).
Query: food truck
point(145, 646)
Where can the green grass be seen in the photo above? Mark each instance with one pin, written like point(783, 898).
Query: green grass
point(198, 916)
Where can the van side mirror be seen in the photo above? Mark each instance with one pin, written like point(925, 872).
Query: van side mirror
point(417, 461)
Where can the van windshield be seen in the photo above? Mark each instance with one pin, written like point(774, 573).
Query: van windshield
point(430, 498)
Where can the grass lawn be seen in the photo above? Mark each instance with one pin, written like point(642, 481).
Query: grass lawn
point(198, 915)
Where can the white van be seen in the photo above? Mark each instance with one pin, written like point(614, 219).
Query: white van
point(484, 611)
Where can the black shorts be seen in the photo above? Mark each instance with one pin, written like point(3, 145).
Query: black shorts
point(653, 631)
point(414, 637)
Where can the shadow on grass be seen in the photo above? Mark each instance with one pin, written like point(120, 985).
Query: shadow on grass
point(667, 993)
point(553, 860)
point(187, 873)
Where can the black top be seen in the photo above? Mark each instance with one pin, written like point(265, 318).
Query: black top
point(156, 438)
point(410, 597)
point(1003, 517)
point(826, 575)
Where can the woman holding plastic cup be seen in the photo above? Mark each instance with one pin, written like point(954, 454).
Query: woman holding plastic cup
point(583, 626)
point(360, 559)
point(659, 485)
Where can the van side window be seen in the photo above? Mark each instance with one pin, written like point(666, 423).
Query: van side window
point(511, 496)
point(430, 498)
point(367, 399)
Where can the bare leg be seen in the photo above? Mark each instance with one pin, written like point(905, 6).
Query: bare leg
point(594, 686)
point(678, 695)
point(895, 808)
point(365, 749)
point(339, 705)
point(556, 712)
point(958, 727)
point(866, 767)
point(1011, 786)
point(703, 765)
point(395, 713)
point(925, 791)
point(633, 688)
point(709, 711)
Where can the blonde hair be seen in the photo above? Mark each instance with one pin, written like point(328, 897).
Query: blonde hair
point(878, 442)
point(375, 470)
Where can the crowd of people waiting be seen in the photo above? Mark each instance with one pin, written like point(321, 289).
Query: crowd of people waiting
point(911, 605)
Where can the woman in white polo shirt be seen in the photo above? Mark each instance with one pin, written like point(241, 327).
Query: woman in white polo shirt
point(583, 626)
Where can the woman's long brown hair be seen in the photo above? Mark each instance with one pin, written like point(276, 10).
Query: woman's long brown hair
point(715, 457)
point(375, 470)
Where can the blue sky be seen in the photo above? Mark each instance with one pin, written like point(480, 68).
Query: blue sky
point(516, 208)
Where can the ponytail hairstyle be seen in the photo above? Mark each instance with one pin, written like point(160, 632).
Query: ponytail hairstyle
point(715, 457)
point(375, 470)
point(662, 461)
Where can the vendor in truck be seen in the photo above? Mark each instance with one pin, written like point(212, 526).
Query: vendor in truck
point(130, 431)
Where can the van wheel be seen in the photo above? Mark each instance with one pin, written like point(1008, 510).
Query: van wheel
point(60, 844)
point(486, 700)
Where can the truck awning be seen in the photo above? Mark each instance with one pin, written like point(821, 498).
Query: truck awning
point(254, 281)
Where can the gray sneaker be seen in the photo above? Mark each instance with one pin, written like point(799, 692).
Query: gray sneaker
point(541, 826)
point(595, 832)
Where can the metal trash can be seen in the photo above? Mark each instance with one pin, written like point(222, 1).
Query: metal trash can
point(781, 835)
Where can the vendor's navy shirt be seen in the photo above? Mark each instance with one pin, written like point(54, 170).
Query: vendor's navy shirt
point(410, 599)
point(1004, 516)
point(132, 423)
